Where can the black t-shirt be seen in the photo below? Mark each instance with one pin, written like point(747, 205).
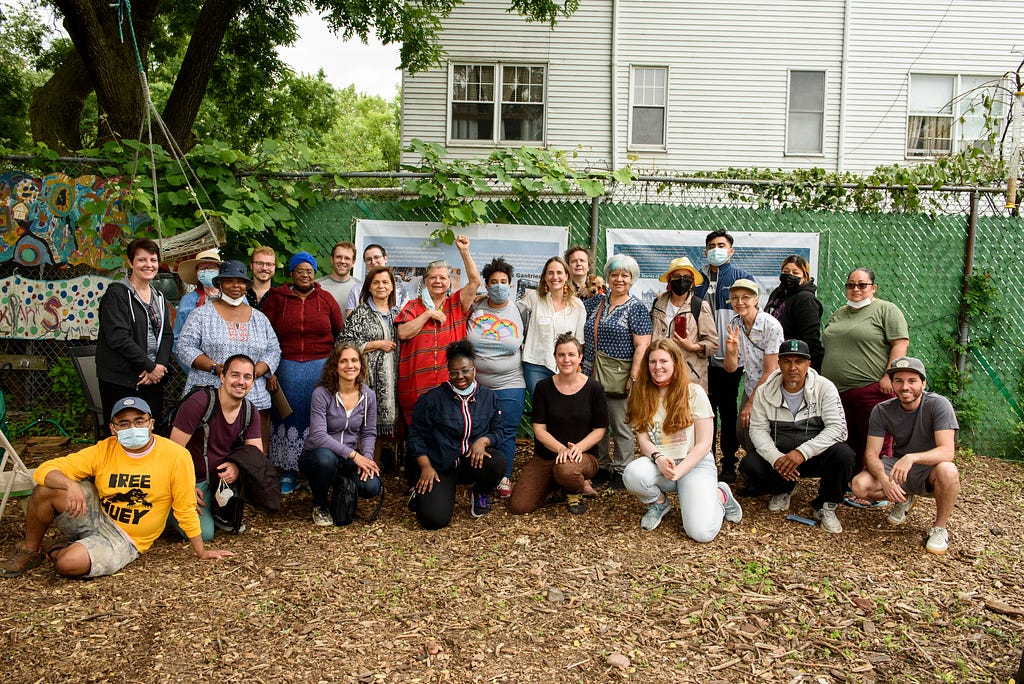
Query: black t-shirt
point(568, 417)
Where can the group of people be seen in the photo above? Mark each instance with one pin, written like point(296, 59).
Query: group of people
point(327, 379)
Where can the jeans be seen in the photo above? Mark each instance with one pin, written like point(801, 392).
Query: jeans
point(535, 373)
point(723, 388)
point(834, 466)
point(510, 401)
point(700, 504)
point(619, 432)
point(539, 474)
point(434, 509)
point(321, 467)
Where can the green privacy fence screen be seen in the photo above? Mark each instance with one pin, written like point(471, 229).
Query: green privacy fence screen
point(918, 261)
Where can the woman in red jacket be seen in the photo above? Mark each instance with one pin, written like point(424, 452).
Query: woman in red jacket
point(307, 319)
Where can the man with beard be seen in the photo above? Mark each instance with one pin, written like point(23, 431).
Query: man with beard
point(923, 427)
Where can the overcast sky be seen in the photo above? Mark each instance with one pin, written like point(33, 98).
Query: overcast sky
point(372, 68)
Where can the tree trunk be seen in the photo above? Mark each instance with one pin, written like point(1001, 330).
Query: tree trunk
point(56, 109)
point(194, 76)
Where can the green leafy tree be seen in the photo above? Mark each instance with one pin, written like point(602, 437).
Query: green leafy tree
point(364, 135)
point(242, 30)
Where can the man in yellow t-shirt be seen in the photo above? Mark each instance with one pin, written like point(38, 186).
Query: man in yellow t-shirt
point(137, 478)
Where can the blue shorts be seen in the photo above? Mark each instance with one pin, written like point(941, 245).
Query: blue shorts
point(108, 546)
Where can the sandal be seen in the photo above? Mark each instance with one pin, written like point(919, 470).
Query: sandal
point(52, 546)
point(854, 502)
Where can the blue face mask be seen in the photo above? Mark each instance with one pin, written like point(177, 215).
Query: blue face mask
point(206, 276)
point(466, 392)
point(718, 256)
point(499, 292)
point(133, 437)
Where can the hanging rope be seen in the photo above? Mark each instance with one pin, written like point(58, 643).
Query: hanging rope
point(124, 18)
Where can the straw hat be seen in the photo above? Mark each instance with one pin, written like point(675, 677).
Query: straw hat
point(187, 269)
point(682, 264)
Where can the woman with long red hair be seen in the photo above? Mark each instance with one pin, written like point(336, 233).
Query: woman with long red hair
point(672, 420)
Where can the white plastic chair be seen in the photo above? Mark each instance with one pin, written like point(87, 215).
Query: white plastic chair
point(17, 481)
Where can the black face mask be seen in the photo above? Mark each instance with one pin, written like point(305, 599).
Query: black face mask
point(680, 286)
point(789, 281)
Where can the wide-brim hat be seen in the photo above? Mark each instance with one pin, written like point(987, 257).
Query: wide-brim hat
point(187, 269)
point(682, 264)
point(906, 363)
point(232, 269)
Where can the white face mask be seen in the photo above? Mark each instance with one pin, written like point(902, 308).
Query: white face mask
point(232, 301)
point(133, 437)
point(859, 305)
point(717, 256)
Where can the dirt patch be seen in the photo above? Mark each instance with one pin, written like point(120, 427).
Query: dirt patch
point(548, 597)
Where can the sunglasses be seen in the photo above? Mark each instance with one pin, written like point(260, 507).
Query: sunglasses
point(858, 286)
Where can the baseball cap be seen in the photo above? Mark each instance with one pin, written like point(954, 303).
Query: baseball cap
point(906, 363)
point(745, 284)
point(130, 403)
point(795, 348)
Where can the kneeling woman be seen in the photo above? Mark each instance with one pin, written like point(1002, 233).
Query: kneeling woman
point(570, 416)
point(342, 431)
point(672, 419)
point(454, 439)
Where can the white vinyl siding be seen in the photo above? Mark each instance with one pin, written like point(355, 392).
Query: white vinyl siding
point(649, 109)
point(805, 124)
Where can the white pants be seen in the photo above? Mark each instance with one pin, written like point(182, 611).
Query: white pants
point(700, 504)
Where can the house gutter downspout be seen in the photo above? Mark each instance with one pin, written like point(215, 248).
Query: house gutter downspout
point(843, 71)
point(613, 80)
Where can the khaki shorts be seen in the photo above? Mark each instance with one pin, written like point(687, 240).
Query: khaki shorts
point(108, 546)
point(917, 479)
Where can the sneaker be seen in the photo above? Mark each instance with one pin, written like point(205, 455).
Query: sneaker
point(829, 520)
point(655, 512)
point(938, 540)
point(479, 504)
point(321, 517)
point(588, 490)
point(222, 524)
point(289, 481)
point(615, 482)
point(505, 488)
point(780, 502)
point(899, 512)
point(575, 504)
point(733, 510)
point(20, 562)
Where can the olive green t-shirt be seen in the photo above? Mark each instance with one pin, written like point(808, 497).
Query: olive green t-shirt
point(858, 341)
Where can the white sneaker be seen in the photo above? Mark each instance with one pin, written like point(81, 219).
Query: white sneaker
point(827, 516)
point(938, 540)
point(780, 502)
point(899, 512)
point(321, 517)
point(733, 511)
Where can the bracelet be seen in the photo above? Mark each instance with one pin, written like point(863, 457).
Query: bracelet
point(656, 455)
point(213, 369)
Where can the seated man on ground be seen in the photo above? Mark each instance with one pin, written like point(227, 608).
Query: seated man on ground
point(139, 477)
point(213, 435)
point(923, 427)
point(797, 427)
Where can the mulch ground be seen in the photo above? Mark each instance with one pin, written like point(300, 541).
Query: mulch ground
point(547, 597)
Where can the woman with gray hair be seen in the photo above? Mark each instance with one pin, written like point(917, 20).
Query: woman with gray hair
point(616, 335)
point(428, 324)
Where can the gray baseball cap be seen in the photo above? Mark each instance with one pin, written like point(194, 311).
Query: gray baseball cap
point(906, 363)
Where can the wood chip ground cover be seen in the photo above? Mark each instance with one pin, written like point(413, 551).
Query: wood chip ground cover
point(547, 597)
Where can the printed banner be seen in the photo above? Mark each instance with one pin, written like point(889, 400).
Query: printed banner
point(409, 249)
point(51, 309)
point(760, 254)
point(58, 219)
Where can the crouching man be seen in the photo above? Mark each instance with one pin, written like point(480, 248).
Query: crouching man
point(798, 426)
point(923, 427)
point(139, 477)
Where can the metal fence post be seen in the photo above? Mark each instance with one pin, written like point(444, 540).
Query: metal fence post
point(595, 212)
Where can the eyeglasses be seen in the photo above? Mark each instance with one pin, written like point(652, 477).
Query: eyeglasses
point(263, 264)
point(464, 373)
point(858, 286)
point(743, 298)
point(138, 422)
point(686, 278)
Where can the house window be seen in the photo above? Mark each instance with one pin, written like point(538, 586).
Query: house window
point(805, 123)
point(952, 113)
point(478, 114)
point(648, 112)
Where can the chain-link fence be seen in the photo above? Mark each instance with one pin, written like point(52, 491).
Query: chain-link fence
point(919, 260)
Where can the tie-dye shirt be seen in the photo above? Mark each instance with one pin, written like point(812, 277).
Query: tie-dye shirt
point(497, 339)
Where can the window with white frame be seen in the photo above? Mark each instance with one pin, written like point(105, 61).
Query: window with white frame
point(649, 106)
point(948, 113)
point(805, 121)
point(478, 114)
